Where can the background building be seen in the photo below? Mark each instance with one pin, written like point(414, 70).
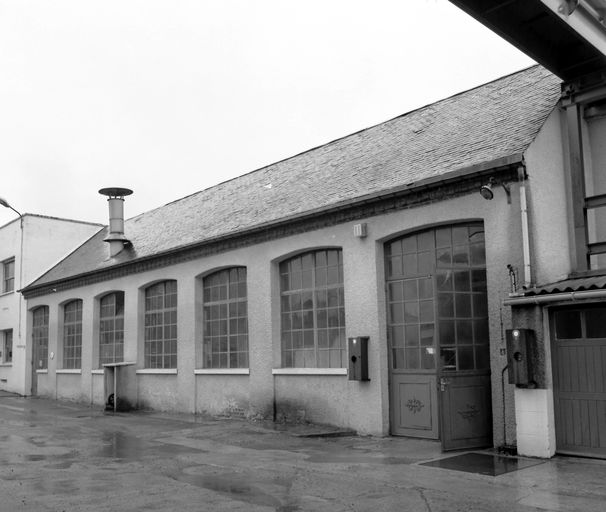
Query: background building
point(29, 245)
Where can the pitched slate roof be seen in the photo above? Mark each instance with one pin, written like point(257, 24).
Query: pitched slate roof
point(492, 121)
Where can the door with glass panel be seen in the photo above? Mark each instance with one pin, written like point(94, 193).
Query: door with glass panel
point(438, 336)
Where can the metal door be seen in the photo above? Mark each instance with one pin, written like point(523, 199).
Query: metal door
point(438, 336)
point(579, 379)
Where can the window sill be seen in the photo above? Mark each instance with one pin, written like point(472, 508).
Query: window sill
point(222, 371)
point(157, 371)
point(2, 365)
point(97, 372)
point(68, 371)
point(309, 371)
point(6, 293)
point(41, 372)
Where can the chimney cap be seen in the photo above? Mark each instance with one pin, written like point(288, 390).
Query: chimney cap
point(115, 192)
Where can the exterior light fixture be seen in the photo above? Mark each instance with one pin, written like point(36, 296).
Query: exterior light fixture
point(487, 193)
point(486, 190)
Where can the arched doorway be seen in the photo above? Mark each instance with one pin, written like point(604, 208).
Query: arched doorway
point(437, 322)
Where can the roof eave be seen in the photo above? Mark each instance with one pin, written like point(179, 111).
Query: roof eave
point(464, 173)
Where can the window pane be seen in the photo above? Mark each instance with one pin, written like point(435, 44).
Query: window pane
point(596, 322)
point(568, 324)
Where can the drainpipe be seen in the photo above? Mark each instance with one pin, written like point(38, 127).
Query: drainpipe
point(525, 229)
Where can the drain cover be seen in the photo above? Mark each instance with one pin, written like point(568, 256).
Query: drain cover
point(483, 463)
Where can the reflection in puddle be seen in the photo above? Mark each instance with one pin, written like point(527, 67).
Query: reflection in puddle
point(235, 486)
point(35, 457)
point(118, 445)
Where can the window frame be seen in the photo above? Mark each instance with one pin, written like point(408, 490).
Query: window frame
point(72, 341)
point(5, 265)
point(7, 334)
point(40, 332)
point(150, 317)
point(315, 284)
point(225, 308)
point(111, 327)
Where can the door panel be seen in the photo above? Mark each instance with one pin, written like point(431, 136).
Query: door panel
point(579, 380)
point(414, 405)
point(466, 412)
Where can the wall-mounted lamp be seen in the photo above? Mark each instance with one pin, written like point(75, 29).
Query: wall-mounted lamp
point(487, 193)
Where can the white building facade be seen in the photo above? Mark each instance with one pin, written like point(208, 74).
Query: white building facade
point(29, 246)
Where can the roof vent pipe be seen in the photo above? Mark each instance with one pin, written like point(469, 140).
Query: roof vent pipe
point(115, 199)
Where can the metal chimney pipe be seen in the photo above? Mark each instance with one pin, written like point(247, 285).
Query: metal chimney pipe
point(116, 215)
point(115, 199)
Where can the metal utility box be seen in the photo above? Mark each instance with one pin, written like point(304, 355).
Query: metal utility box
point(358, 358)
point(520, 363)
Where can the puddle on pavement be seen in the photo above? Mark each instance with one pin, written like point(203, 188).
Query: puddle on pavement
point(344, 458)
point(236, 487)
point(35, 457)
point(118, 445)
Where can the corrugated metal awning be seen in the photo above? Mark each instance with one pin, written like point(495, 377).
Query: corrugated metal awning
point(569, 285)
point(579, 288)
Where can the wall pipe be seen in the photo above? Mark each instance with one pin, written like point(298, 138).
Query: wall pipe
point(525, 228)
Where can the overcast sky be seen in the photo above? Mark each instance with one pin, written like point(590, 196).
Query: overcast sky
point(170, 97)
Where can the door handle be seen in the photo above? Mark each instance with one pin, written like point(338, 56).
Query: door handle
point(443, 383)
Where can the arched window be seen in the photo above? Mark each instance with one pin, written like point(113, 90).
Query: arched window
point(313, 310)
point(225, 319)
point(72, 335)
point(437, 299)
point(40, 337)
point(111, 328)
point(160, 339)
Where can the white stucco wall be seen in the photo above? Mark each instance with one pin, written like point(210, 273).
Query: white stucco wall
point(550, 250)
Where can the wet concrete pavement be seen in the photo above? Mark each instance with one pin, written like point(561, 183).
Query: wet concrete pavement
point(57, 456)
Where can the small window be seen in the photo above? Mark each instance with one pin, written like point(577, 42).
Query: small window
point(7, 346)
point(111, 329)
point(313, 310)
point(568, 324)
point(40, 337)
point(8, 275)
point(225, 319)
point(160, 339)
point(72, 335)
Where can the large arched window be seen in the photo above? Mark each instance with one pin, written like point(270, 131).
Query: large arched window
point(225, 319)
point(160, 338)
point(313, 310)
point(437, 299)
point(111, 328)
point(72, 335)
point(40, 337)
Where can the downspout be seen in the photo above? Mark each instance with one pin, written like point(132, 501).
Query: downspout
point(525, 228)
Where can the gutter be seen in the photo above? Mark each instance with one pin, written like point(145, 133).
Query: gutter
point(555, 297)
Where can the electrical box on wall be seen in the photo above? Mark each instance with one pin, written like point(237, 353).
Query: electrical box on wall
point(520, 346)
point(358, 358)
